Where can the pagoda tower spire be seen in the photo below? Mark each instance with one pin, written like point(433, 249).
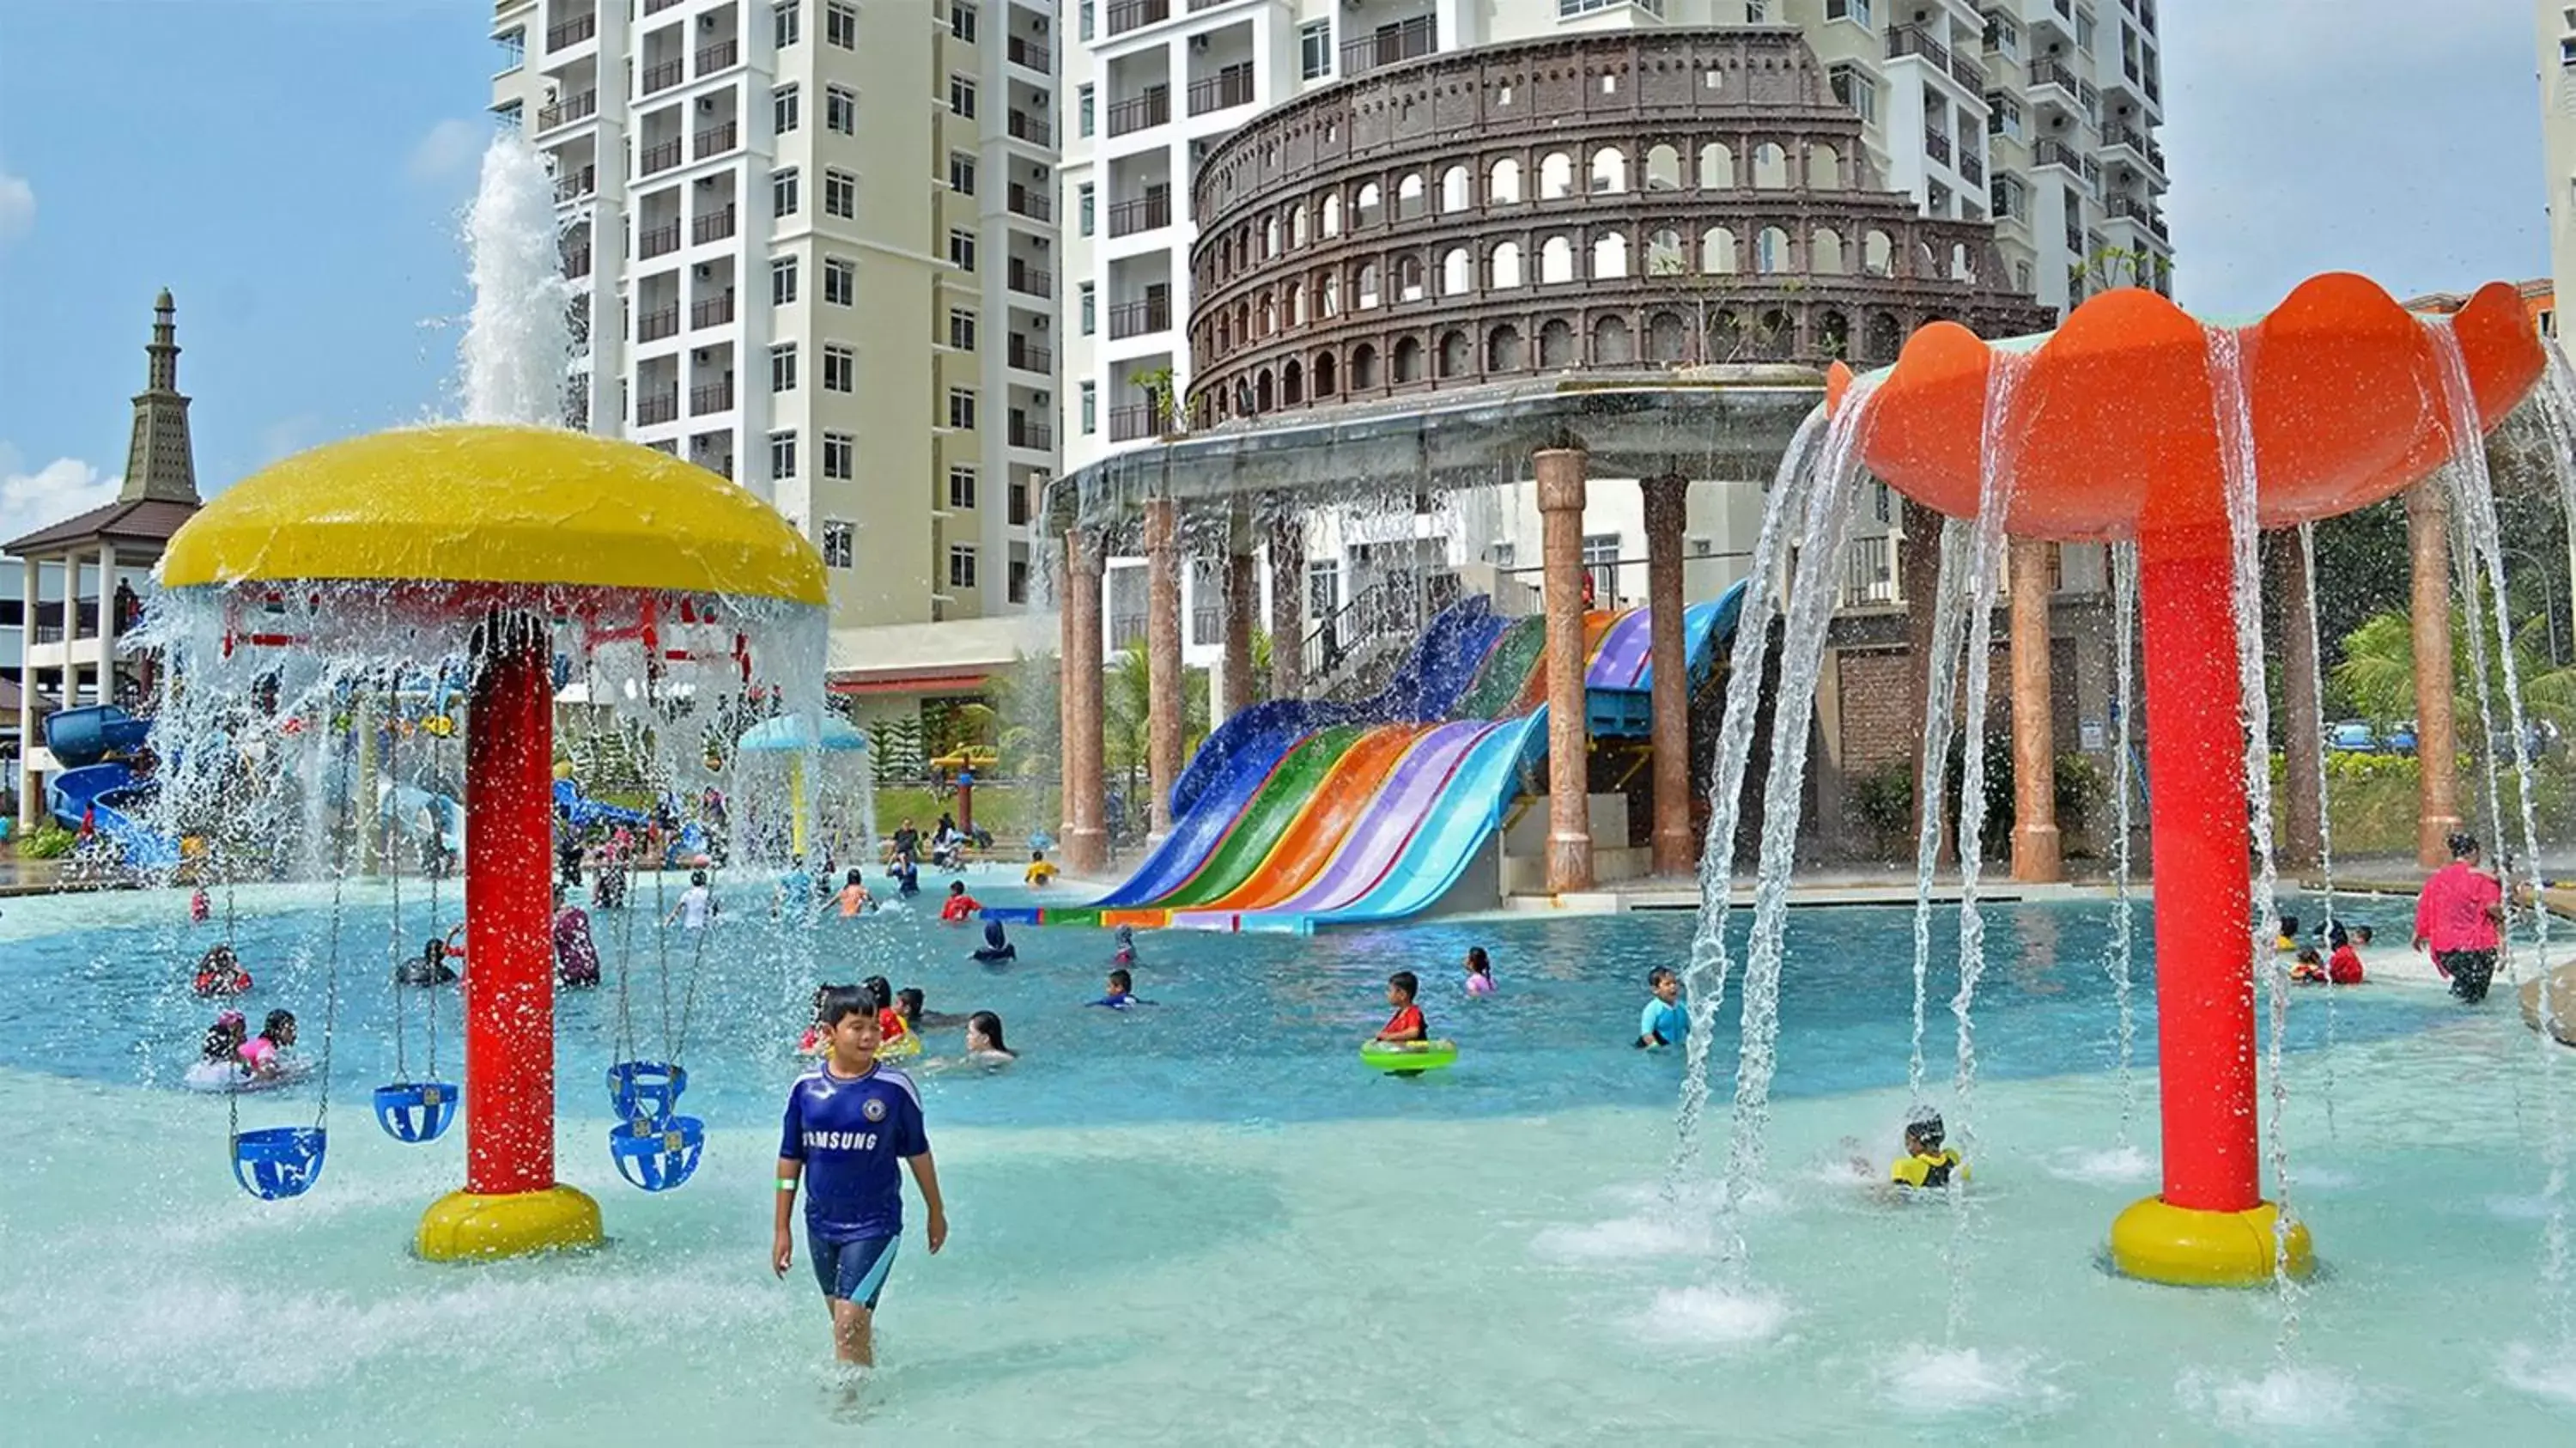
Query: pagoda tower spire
point(160, 459)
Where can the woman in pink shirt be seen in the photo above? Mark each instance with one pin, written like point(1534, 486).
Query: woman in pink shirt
point(2457, 918)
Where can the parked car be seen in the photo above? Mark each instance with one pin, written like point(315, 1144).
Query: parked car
point(2401, 737)
point(2354, 736)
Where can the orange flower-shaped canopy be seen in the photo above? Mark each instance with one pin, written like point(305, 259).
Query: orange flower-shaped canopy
point(2111, 429)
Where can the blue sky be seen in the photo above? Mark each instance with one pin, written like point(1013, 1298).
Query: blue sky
point(293, 169)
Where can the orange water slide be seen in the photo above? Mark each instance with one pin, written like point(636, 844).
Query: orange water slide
point(1338, 804)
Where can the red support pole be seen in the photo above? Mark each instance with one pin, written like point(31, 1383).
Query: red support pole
point(2196, 778)
point(509, 909)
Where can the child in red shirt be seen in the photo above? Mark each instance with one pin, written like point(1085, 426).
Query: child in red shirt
point(1407, 1023)
point(2343, 967)
point(959, 907)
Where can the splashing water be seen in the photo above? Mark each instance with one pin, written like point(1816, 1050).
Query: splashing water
point(2121, 962)
point(2315, 661)
point(1940, 698)
point(518, 337)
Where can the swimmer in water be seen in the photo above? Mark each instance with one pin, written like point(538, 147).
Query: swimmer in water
point(984, 1041)
point(997, 946)
point(1120, 993)
point(1125, 954)
point(1663, 1022)
point(200, 909)
point(853, 898)
point(221, 974)
point(265, 1053)
point(224, 1039)
point(909, 1001)
point(1927, 1164)
point(1480, 972)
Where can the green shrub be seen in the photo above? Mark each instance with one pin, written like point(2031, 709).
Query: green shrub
point(47, 841)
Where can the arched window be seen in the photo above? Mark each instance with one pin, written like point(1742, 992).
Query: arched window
point(1556, 344)
point(1457, 272)
point(1666, 256)
point(1556, 260)
point(1453, 353)
point(1243, 321)
point(1411, 199)
point(1717, 251)
point(1963, 264)
point(1263, 399)
point(1323, 374)
point(1503, 182)
point(1363, 368)
point(1667, 340)
point(1771, 250)
point(1296, 304)
point(1453, 189)
point(1770, 167)
point(1506, 265)
point(1270, 236)
point(1779, 334)
point(1663, 167)
point(1878, 258)
point(1269, 315)
point(1332, 215)
point(1716, 167)
point(1555, 176)
point(1886, 337)
point(1367, 205)
point(1292, 383)
point(1405, 360)
point(1364, 294)
point(1824, 166)
point(1833, 334)
point(1328, 302)
point(1825, 253)
point(1612, 345)
point(1408, 278)
point(1610, 255)
point(1609, 170)
point(1297, 225)
point(1503, 349)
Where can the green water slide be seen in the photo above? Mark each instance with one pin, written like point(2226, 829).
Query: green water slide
point(1266, 819)
point(1499, 685)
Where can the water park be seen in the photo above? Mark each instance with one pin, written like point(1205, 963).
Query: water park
point(1472, 1050)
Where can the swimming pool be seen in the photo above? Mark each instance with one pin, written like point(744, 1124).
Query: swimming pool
point(1206, 1221)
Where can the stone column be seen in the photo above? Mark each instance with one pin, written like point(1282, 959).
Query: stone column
point(2437, 747)
point(1287, 607)
point(1162, 659)
point(2304, 845)
point(1559, 474)
point(1242, 601)
point(1667, 522)
point(1086, 838)
point(1918, 564)
point(107, 623)
point(2036, 857)
point(31, 802)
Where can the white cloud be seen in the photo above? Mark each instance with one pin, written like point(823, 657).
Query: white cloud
point(17, 206)
point(448, 148)
point(60, 489)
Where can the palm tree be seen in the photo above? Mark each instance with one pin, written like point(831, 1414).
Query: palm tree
point(2378, 672)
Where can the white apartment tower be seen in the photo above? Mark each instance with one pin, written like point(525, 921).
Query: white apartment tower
point(2555, 24)
point(2037, 114)
point(815, 244)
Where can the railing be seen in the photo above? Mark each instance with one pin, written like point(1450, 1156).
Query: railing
point(1906, 40)
point(664, 76)
point(1141, 213)
point(711, 397)
point(2044, 71)
point(1231, 86)
point(1972, 167)
point(1029, 357)
point(653, 7)
point(657, 324)
point(653, 241)
point(1031, 281)
point(1033, 129)
point(576, 260)
point(1025, 433)
point(573, 32)
point(1019, 505)
point(1936, 146)
point(1395, 607)
point(1390, 45)
point(1152, 108)
point(662, 407)
point(716, 140)
point(1031, 204)
point(720, 464)
point(1967, 72)
point(714, 226)
point(2116, 134)
point(1869, 573)
point(1126, 424)
point(1126, 15)
point(712, 311)
point(1126, 629)
point(719, 55)
point(660, 157)
point(1030, 55)
point(569, 109)
point(574, 185)
point(2056, 153)
point(1135, 319)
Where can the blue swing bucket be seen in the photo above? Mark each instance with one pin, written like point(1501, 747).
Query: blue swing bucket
point(416, 1111)
point(657, 1155)
point(275, 1162)
point(646, 1090)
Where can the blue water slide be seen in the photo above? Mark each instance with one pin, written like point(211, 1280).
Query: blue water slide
point(585, 812)
point(1467, 813)
point(102, 794)
point(81, 737)
point(1254, 743)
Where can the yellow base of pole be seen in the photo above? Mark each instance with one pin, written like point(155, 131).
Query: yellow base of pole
point(2156, 1241)
point(465, 1227)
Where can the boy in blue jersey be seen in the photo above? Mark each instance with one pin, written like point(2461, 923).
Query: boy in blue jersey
point(1664, 1022)
point(849, 1120)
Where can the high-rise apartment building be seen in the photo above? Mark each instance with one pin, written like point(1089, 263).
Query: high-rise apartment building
point(815, 248)
point(2038, 115)
point(2555, 27)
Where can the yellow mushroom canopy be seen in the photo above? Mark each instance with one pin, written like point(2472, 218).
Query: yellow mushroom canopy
point(505, 505)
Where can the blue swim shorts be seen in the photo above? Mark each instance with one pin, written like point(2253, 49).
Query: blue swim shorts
point(852, 1271)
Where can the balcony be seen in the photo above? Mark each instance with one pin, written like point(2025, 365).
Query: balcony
point(568, 110)
point(1135, 319)
point(1025, 433)
point(1153, 108)
point(576, 261)
point(659, 323)
point(656, 7)
point(1972, 167)
point(1229, 87)
point(716, 57)
point(572, 32)
point(711, 397)
point(1141, 213)
point(2056, 153)
point(1029, 55)
point(655, 241)
point(714, 226)
point(713, 311)
point(574, 185)
point(1937, 146)
point(1390, 45)
point(658, 408)
point(1968, 73)
point(1907, 40)
point(661, 157)
point(1126, 15)
point(2116, 134)
point(1030, 281)
point(1031, 204)
point(664, 76)
point(1127, 424)
point(2047, 72)
point(716, 140)
point(1029, 357)
point(1032, 129)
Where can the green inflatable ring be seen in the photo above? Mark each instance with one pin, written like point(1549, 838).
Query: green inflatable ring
point(1409, 1058)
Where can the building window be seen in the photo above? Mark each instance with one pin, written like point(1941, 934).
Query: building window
point(961, 486)
point(841, 110)
point(1082, 110)
point(782, 192)
point(2006, 196)
point(839, 460)
point(1084, 205)
point(837, 541)
point(782, 281)
point(1090, 299)
point(841, 24)
point(507, 119)
point(1569, 9)
point(1854, 88)
point(840, 194)
point(1090, 408)
point(961, 249)
point(1019, 584)
point(961, 22)
point(787, 22)
point(961, 329)
point(783, 109)
point(2003, 36)
point(840, 280)
point(961, 565)
point(514, 50)
point(1855, 11)
point(2003, 116)
point(782, 454)
point(2084, 31)
point(1315, 49)
point(961, 173)
point(840, 369)
point(961, 408)
point(782, 367)
point(961, 97)
point(1084, 14)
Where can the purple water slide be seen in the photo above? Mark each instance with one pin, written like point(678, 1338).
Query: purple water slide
point(1623, 655)
point(1392, 818)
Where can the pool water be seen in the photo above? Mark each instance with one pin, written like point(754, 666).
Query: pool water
point(1205, 1221)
